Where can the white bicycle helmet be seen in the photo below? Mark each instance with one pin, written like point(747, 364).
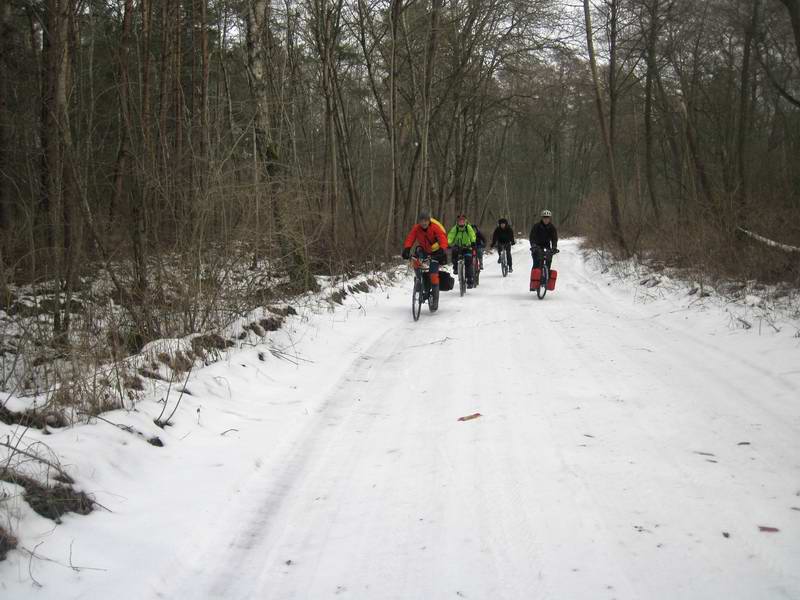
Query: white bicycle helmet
point(546, 213)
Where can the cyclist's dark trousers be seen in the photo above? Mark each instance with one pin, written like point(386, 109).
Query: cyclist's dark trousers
point(480, 256)
point(538, 254)
point(467, 262)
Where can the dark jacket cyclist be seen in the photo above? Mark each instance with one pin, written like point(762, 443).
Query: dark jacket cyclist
point(544, 237)
point(503, 238)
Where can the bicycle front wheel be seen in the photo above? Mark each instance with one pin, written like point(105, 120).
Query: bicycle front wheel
point(542, 289)
point(416, 298)
point(433, 301)
point(462, 280)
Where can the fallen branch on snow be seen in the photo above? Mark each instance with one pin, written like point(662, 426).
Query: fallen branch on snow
point(768, 242)
point(470, 417)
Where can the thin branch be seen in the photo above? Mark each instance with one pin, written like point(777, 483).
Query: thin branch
point(44, 461)
point(768, 242)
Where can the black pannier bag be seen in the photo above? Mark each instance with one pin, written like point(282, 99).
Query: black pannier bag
point(446, 281)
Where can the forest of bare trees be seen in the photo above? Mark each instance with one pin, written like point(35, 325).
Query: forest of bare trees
point(138, 132)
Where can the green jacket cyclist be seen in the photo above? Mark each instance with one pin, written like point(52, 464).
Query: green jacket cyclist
point(462, 239)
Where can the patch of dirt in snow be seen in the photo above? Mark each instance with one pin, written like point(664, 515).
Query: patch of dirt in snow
point(49, 501)
point(7, 543)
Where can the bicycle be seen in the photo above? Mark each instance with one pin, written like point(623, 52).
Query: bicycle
point(423, 290)
point(461, 266)
point(476, 268)
point(462, 275)
point(503, 250)
point(546, 255)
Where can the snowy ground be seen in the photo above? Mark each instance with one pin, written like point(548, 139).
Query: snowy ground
point(627, 449)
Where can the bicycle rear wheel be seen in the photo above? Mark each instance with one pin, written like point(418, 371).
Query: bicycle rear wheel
point(416, 298)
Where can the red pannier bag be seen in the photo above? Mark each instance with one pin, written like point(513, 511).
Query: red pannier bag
point(536, 276)
point(551, 282)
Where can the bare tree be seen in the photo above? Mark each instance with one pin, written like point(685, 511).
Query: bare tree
point(613, 190)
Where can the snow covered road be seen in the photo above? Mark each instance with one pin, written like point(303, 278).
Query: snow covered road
point(625, 450)
point(606, 463)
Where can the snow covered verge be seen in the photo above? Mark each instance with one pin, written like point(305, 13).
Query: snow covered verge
point(188, 405)
point(745, 304)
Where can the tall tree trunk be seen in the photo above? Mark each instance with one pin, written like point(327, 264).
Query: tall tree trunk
point(123, 154)
point(141, 208)
point(164, 101)
point(697, 161)
point(199, 101)
point(395, 9)
point(178, 162)
point(146, 9)
point(123, 151)
point(430, 62)
point(744, 115)
point(325, 34)
point(5, 124)
point(258, 71)
point(652, 37)
point(332, 163)
point(348, 170)
point(205, 134)
point(613, 191)
point(56, 144)
point(70, 174)
point(613, 91)
point(668, 118)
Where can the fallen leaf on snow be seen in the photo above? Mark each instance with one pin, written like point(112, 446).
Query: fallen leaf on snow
point(470, 417)
point(768, 529)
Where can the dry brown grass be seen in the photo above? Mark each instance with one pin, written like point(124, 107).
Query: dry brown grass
point(50, 502)
point(7, 543)
point(705, 246)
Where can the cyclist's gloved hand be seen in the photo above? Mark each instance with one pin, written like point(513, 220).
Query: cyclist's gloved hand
point(406, 253)
point(434, 246)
